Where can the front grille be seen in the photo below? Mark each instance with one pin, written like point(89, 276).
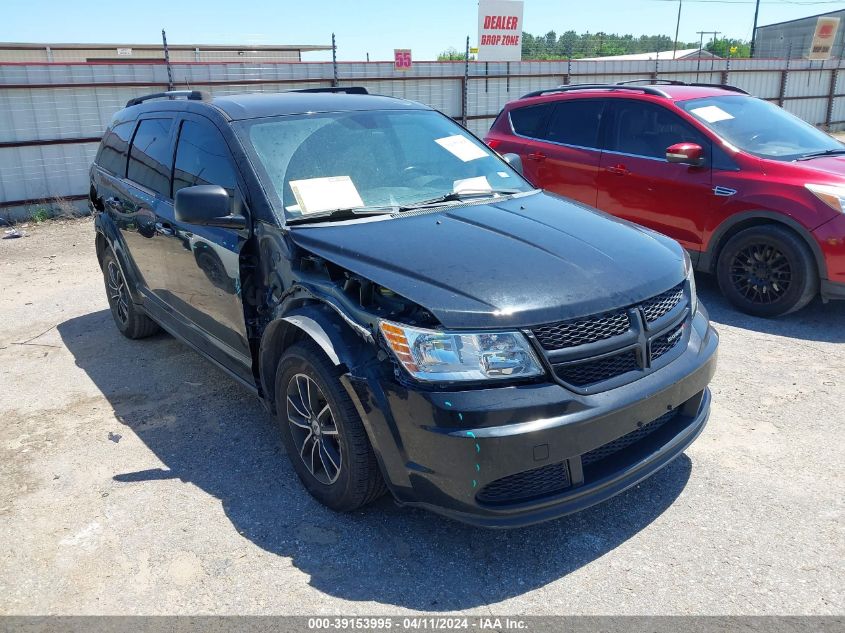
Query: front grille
point(665, 342)
point(582, 331)
point(606, 450)
point(595, 370)
point(523, 486)
point(662, 304)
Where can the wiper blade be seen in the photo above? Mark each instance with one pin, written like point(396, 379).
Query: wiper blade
point(339, 214)
point(456, 196)
point(824, 152)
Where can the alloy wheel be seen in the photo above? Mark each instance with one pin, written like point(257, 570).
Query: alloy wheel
point(313, 429)
point(761, 273)
point(117, 292)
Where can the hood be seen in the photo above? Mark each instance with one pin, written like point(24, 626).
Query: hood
point(827, 165)
point(519, 262)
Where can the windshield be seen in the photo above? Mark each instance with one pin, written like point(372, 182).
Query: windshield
point(321, 162)
point(759, 127)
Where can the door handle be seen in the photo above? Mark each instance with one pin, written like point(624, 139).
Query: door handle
point(538, 156)
point(619, 170)
point(164, 228)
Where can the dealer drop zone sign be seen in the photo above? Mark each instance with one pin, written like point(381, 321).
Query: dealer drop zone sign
point(499, 30)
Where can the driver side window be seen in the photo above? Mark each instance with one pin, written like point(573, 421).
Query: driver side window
point(646, 129)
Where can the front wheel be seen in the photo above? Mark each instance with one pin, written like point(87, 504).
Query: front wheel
point(322, 431)
point(767, 271)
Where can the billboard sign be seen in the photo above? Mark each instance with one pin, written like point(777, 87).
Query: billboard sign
point(823, 38)
point(500, 30)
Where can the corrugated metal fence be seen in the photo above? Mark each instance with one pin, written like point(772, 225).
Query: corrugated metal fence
point(52, 115)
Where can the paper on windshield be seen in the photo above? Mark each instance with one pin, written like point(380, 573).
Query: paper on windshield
point(472, 185)
point(461, 147)
point(325, 194)
point(711, 113)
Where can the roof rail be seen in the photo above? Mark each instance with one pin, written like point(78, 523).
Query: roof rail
point(350, 90)
point(675, 82)
point(649, 90)
point(193, 95)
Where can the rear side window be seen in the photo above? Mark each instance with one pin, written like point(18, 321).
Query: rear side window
point(115, 148)
point(576, 122)
point(202, 158)
point(150, 157)
point(530, 121)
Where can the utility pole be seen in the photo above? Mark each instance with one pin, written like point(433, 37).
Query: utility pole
point(701, 35)
point(754, 29)
point(677, 28)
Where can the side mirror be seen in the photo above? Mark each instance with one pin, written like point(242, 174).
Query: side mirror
point(514, 161)
point(207, 205)
point(685, 154)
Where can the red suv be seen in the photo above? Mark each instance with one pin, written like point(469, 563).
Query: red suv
point(756, 195)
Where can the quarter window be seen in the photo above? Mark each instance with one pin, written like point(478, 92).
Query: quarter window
point(576, 122)
point(114, 149)
point(149, 158)
point(202, 158)
point(645, 129)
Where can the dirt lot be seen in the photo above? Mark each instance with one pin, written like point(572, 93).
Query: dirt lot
point(136, 478)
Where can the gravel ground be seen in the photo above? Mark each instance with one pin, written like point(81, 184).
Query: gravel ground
point(135, 478)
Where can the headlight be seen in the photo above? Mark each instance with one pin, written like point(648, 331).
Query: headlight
point(831, 195)
point(444, 356)
point(689, 271)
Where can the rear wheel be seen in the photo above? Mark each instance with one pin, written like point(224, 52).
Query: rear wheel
point(323, 434)
point(131, 322)
point(767, 271)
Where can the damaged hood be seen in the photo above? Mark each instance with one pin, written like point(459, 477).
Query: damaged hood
point(519, 262)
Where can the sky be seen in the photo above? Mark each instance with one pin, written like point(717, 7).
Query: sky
point(376, 27)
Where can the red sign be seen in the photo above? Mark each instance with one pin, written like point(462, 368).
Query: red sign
point(402, 59)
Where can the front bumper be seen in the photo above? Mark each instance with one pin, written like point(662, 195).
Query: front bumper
point(831, 239)
point(447, 450)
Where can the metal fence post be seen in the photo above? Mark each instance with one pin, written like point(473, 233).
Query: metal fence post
point(167, 61)
point(334, 62)
point(465, 86)
point(831, 97)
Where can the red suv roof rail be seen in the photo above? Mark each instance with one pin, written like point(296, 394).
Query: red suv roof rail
point(649, 90)
point(675, 82)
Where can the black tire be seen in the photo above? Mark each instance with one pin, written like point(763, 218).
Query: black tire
point(128, 318)
point(358, 478)
point(767, 271)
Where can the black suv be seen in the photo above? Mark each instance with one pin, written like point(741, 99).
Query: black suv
point(417, 316)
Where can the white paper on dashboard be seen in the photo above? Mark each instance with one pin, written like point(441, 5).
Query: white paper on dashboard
point(472, 185)
point(326, 194)
point(461, 147)
point(711, 114)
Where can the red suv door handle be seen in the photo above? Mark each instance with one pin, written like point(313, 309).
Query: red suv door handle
point(619, 170)
point(538, 156)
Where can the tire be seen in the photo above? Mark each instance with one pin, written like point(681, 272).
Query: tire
point(767, 271)
point(356, 480)
point(128, 318)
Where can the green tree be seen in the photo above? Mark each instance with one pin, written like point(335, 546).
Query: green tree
point(729, 48)
point(452, 54)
